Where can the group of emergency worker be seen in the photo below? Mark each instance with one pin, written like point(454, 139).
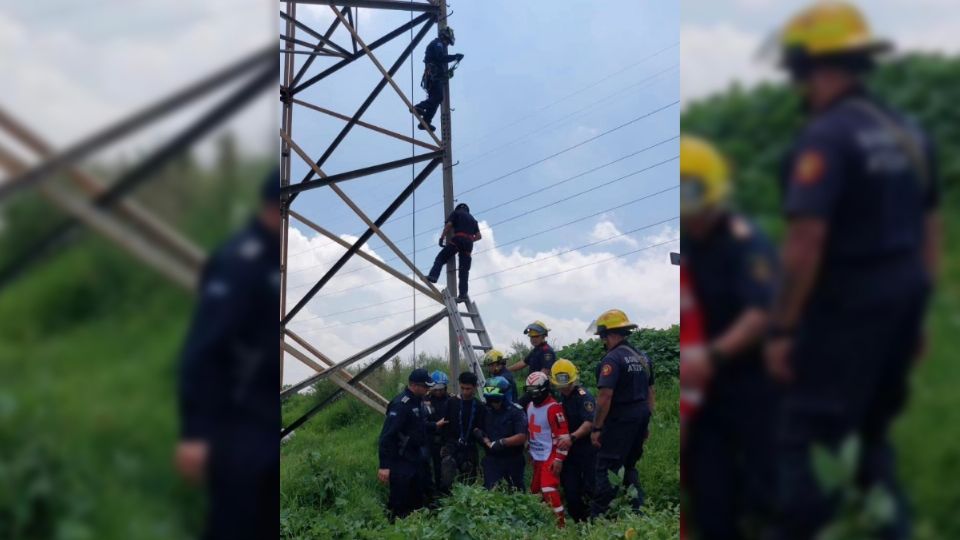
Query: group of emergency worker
point(571, 438)
point(811, 347)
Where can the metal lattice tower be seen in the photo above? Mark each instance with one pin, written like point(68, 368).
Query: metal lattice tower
point(433, 154)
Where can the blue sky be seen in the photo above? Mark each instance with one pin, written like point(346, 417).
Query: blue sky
point(538, 78)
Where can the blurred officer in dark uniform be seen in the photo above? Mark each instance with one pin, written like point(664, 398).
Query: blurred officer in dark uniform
point(497, 363)
point(459, 455)
point(580, 468)
point(625, 402)
point(435, 74)
point(229, 380)
point(503, 435)
point(465, 232)
point(728, 454)
point(860, 198)
point(436, 405)
point(403, 447)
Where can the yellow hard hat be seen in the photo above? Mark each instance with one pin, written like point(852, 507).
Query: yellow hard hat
point(563, 372)
point(704, 175)
point(612, 319)
point(829, 28)
point(536, 329)
point(493, 356)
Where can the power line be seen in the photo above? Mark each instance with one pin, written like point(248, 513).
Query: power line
point(529, 212)
point(504, 244)
point(474, 279)
point(379, 317)
point(541, 160)
point(540, 190)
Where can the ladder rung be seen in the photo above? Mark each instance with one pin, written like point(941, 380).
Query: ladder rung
point(469, 314)
point(474, 331)
point(482, 347)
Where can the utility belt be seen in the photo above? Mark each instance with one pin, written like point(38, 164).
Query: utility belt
point(431, 73)
point(464, 235)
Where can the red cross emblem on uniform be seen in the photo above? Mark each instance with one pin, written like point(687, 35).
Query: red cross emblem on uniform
point(533, 426)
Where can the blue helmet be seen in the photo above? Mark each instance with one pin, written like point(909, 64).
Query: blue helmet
point(440, 378)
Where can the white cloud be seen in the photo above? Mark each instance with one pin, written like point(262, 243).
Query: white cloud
point(644, 285)
point(715, 55)
point(606, 229)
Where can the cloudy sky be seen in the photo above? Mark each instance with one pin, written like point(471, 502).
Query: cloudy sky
point(720, 38)
point(583, 231)
point(71, 68)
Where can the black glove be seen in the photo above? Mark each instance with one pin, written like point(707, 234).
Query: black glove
point(497, 445)
point(479, 434)
point(459, 56)
point(441, 242)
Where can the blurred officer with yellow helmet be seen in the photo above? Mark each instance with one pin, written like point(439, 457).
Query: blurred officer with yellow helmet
point(727, 456)
point(860, 196)
point(579, 469)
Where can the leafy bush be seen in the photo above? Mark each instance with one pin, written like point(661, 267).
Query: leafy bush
point(662, 346)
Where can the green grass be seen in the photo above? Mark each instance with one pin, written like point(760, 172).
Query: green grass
point(329, 487)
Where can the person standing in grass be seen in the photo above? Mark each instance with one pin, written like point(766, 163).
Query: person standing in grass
point(503, 435)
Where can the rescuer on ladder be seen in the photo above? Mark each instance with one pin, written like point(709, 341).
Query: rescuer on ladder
point(435, 74)
point(465, 232)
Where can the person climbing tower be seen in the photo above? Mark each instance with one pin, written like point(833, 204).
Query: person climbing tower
point(465, 233)
point(435, 74)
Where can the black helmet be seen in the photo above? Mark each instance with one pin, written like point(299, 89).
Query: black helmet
point(462, 206)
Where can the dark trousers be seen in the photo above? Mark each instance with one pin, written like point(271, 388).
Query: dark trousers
point(243, 488)
point(507, 467)
point(729, 459)
point(408, 488)
point(621, 445)
point(462, 246)
point(851, 366)
point(458, 463)
point(578, 478)
point(428, 107)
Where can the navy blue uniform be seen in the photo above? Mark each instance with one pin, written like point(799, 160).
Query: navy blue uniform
point(871, 175)
point(464, 229)
point(540, 358)
point(460, 457)
point(506, 463)
point(229, 376)
point(728, 454)
point(436, 409)
point(403, 448)
point(629, 373)
point(435, 61)
point(512, 394)
point(579, 469)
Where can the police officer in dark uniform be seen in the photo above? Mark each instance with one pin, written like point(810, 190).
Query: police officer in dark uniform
point(465, 232)
point(579, 469)
point(459, 455)
point(625, 402)
point(436, 405)
point(503, 435)
point(403, 447)
point(728, 455)
point(228, 380)
point(860, 198)
point(435, 74)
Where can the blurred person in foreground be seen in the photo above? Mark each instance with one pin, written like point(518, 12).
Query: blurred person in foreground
point(228, 381)
point(625, 402)
point(727, 454)
point(859, 256)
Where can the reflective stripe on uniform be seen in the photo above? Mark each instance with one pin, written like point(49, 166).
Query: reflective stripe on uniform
point(558, 509)
point(548, 489)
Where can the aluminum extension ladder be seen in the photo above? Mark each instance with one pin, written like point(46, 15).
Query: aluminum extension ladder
point(464, 332)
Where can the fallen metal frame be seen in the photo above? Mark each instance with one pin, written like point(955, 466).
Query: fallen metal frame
point(107, 210)
point(437, 153)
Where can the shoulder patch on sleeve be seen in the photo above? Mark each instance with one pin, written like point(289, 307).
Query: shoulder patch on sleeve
point(607, 369)
point(582, 391)
point(740, 228)
point(760, 269)
point(589, 406)
point(809, 167)
point(404, 399)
